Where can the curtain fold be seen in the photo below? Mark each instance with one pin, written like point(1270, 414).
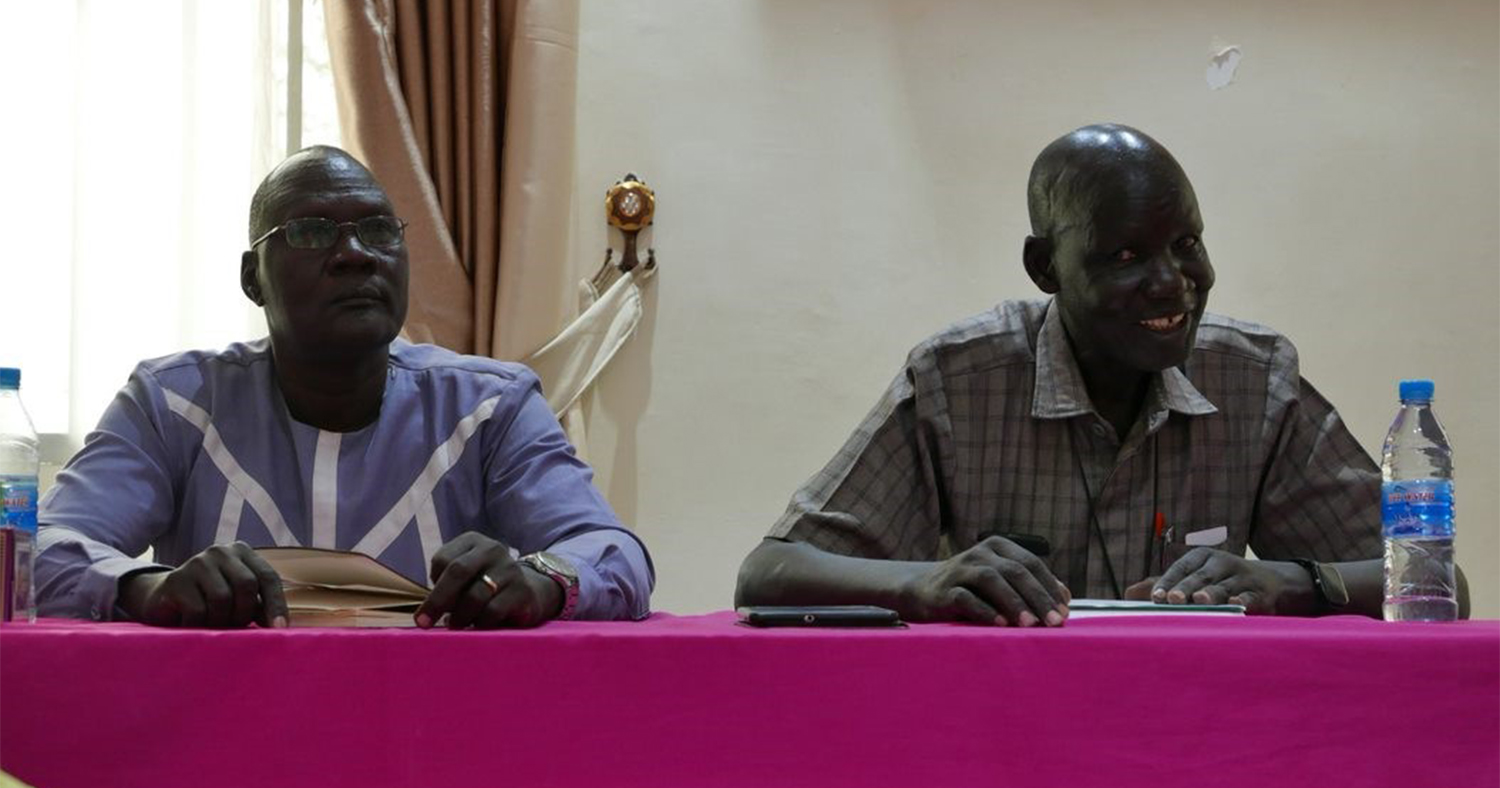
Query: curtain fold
point(532, 293)
point(440, 99)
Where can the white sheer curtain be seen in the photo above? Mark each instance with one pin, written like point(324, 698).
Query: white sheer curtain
point(135, 134)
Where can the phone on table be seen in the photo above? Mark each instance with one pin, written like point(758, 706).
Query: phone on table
point(818, 616)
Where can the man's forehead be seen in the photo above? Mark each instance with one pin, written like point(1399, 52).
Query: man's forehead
point(1132, 179)
point(323, 181)
point(1126, 199)
point(1140, 185)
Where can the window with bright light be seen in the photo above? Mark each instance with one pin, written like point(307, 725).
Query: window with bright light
point(136, 133)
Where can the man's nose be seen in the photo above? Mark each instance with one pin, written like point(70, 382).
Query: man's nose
point(1165, 277)
point(349, 252)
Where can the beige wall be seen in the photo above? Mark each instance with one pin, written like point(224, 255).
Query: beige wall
point(839, 179)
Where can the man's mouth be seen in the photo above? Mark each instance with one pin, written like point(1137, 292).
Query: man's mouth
point(1165, 324)
point(362, 296)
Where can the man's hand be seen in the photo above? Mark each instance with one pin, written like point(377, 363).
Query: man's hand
point(1206, 576)
point(223, 586)
point(478, 584)
point(994, 582)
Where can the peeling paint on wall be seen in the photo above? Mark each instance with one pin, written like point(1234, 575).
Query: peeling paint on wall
point(1222, 65)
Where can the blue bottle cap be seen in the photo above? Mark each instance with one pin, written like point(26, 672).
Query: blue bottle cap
point(1416, 389)
point(10, 378)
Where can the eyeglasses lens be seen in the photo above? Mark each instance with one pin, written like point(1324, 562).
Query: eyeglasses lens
point(311, 233)
point(379, 230)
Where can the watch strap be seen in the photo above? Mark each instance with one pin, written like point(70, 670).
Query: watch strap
point(1326, 599)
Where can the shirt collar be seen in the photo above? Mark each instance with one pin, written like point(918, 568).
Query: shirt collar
point(1060, 392)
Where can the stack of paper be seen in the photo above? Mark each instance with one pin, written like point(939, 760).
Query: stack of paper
point(1093, 608)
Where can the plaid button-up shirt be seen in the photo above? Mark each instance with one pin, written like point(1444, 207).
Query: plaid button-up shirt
point(989, 429)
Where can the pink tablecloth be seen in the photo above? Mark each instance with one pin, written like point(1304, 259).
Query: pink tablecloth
point(700, 701)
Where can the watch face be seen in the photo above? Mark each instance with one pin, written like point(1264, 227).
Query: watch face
point(557, 565)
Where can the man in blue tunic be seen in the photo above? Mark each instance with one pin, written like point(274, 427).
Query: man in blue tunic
point(332, 433)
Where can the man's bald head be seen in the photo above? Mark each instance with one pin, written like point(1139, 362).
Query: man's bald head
point(313, 164)
point(1085, 168)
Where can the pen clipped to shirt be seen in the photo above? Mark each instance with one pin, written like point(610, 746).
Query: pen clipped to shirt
point(1166, 536)
point(1163, 536)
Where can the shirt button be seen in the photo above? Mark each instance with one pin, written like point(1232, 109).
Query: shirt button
point(1099, 430)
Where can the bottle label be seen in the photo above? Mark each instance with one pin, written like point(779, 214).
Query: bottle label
point(1417, 508)
point(18, 502)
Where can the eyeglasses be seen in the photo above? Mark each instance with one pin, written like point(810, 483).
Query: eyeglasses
point(315, 232)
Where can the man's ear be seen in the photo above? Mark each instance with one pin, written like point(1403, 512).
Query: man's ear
point(250, 277)
point(1037, 257)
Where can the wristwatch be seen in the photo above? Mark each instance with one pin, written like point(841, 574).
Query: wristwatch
point(1327, 582)
point(557, 568)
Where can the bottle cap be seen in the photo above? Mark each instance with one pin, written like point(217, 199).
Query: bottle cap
point(1416, 389)
point(10, 378)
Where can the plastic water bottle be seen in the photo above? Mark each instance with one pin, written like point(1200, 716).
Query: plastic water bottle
point(19, 463)
point(1416, 508)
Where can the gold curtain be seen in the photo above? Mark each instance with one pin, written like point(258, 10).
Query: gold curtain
point(465, 112)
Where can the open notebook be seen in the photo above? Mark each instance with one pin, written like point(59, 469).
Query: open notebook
point(1094, 608)
point(334, 588)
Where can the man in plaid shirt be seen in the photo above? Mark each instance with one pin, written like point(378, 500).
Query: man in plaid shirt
point(1113, 440)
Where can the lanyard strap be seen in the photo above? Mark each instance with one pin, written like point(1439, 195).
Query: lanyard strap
point(1098, 531)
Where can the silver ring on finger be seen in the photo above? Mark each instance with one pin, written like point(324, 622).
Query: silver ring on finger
point(490, 582)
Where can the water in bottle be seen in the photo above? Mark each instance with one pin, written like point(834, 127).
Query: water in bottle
point(1416, 508)
point(19, 463)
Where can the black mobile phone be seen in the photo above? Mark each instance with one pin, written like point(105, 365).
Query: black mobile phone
point(819, 616)
point(1035, 544)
